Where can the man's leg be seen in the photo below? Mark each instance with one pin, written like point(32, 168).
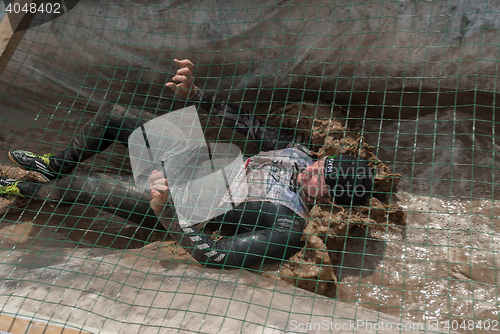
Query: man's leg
point(111, 193)
point(112, 122)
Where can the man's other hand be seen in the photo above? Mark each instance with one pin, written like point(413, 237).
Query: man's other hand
point(159, 191)
point(182, 83)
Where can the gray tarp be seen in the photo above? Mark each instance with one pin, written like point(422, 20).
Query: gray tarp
point(267, 50)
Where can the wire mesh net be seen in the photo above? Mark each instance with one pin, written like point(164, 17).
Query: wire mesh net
point(407, 86)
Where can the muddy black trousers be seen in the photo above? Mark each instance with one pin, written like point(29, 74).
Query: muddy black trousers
point(112, 193)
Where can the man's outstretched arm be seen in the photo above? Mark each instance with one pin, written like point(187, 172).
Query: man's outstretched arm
point(270, 138)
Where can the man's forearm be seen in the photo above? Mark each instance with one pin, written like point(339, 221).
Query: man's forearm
point(277, 237)
point(201, 247)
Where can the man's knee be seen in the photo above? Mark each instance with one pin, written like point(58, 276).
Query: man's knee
point(116, 111)
point(113, 109)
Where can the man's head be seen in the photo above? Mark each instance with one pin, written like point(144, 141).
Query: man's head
point(345, 178)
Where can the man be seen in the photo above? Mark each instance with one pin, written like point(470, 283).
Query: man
point(284, 181)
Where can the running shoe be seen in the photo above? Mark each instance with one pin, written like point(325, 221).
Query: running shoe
point(8, 187)
point(31, 161)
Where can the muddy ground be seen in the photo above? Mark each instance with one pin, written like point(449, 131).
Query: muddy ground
point(427, 253)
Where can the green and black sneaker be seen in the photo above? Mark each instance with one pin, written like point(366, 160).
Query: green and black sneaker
point(8, 187)
point(31, 161)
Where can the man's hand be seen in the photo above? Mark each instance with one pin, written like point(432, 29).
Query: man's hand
point(159, 191)
point(185, 87)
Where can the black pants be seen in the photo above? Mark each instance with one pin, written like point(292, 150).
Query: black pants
point(112, 193)
point(112, 122)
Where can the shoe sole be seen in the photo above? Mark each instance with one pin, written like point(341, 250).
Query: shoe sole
point(12, 159)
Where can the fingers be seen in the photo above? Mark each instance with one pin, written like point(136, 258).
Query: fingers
point(185, 71)
point(159, 185)
point(157, 182)
point(185, 76)
point(185, 82)
point(185, 63)
point(154, 176)
point(159, 191)
point(159, 197)
point(182, 82)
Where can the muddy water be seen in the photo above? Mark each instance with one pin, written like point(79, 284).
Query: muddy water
point(442, 266)
point(446, 154)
